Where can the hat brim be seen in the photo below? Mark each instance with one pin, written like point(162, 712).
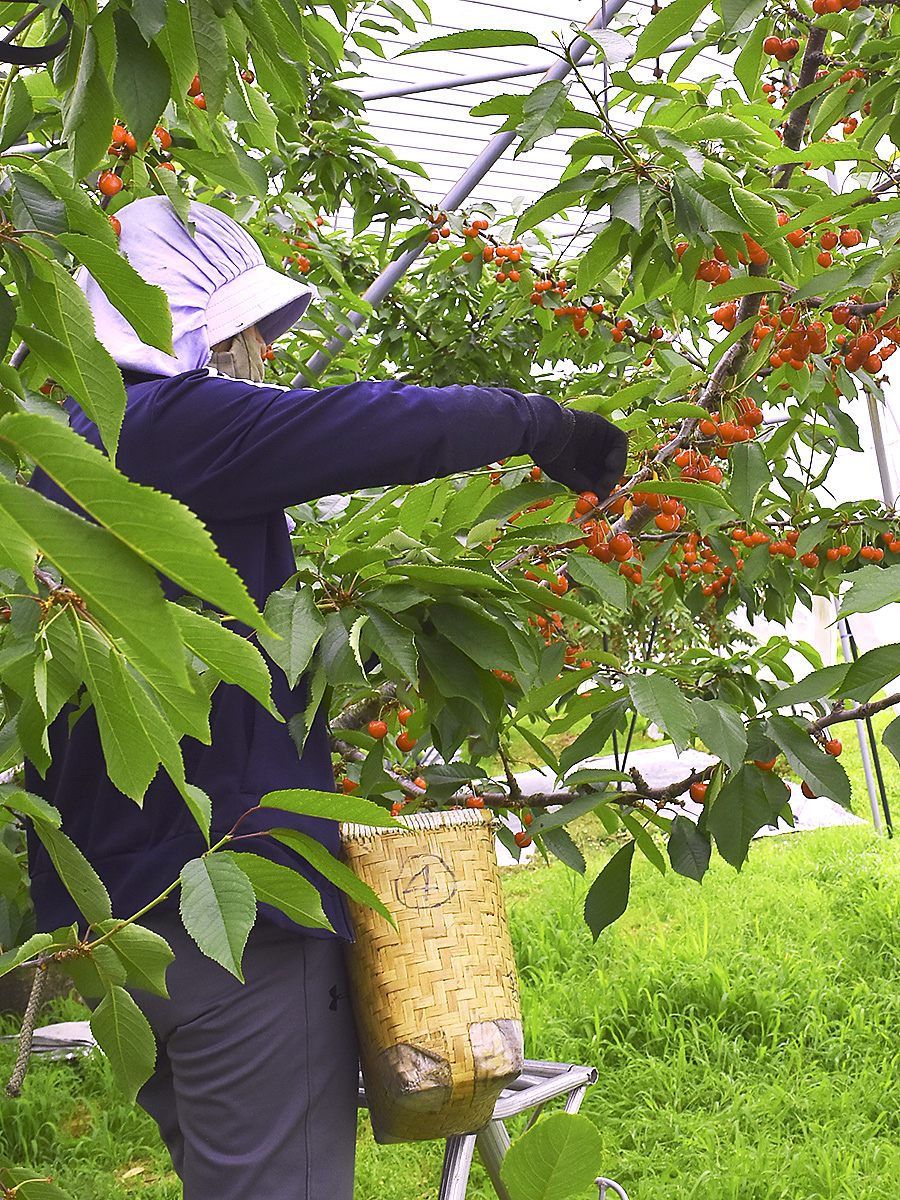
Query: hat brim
point(259, 296)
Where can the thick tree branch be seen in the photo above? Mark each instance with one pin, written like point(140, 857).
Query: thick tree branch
point(859, 713)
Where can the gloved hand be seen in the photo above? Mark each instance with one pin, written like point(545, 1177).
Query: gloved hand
point(593, 459)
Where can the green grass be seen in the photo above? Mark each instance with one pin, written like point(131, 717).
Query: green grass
point(746, 1033)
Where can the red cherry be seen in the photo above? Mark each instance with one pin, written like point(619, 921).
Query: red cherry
point(378, 729)
point(163, 137)
point(109, 183)
point(764, 766)
point(349, 785)
point(833, 747)
point(405, 742)
point(200, 101)
point(698, 792)
point(195, 89)
point(521, 838)
point(403, 715)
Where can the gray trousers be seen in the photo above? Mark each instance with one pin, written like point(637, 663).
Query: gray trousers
point(255, 1088)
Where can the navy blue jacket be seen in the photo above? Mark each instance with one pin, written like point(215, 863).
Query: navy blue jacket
point(238, 454)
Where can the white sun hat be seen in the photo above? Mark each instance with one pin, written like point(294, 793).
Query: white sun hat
point(216, 280)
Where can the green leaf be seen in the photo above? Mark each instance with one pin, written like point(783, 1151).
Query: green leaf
point(144, 955)
point(689, 849)
point(871, 672)
point(73, 356)
point(559, 842)
point(871, 589)
point(212, 53)
point(739, 14)
point(88, 116)
point(296, 625)
point(671, 23)
point(34, 206)
point(605, 581)
point(556, 1158)
point(17, 114)
point(83, 215)
point(476, 635)
point(282, 887)
point(608, 895)
point(748, 800)
point(612, 45)
point(689, 489)
point(22, 1181)
point(593, 739)
point(81, 881)
point(599, 256)
point(218, 908)
point(124, 1035)
point(149, 523)
point(473, 39)
point(721, 730)
point(229, 654)
point(543, 111)
point(141, 82)
point(133, 733)
point(891, 738)
point(823, 773)
point(750, 476)
point(814, 686)
point(143, 305)
point(352, 809)
point(391, 641)
point(176, 40)
point(332, 868)
point(659, 698)
point(28, 804)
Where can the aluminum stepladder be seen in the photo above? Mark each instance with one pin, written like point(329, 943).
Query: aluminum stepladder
point(538, 1083)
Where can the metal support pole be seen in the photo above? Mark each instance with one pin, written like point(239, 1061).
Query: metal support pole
point(888, 491)
point(844, 632)
point(495, 149)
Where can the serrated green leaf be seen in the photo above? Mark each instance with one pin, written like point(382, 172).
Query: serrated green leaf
point(141, 81)
point(82, 882)
point(748, 800)
point(143, 305)
point(659, 698)
point(153, 525)
point(689, 850)
point(28, 804)
point(750, 476)
point(815, 686)
point(473, 39)
point(352, 809)
point(333, 869)
point(669, 24)
point(144, 955)
point(819, 770)
point(296, 625)
point(218, 908)
point(88, 115)
point(34, 206)
point(871, 589)
point(559, 842)
point(124, 1035)
point(542, 113)
point(871, 672)
point(602, 577)
point(282, 887)
point(232, 656)
point(690, 489)
point(608, 896)
point(721, 730)
point(555, 1159)
point(212, 53)
point(73, 356)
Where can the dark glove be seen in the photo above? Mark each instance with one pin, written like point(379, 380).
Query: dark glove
point(594, 457)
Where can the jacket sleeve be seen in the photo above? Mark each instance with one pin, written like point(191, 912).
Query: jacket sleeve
point(233, 450)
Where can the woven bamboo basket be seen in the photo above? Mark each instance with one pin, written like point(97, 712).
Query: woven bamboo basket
point(437, 999)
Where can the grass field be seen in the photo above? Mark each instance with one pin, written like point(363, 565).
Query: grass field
point(747, 1035)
